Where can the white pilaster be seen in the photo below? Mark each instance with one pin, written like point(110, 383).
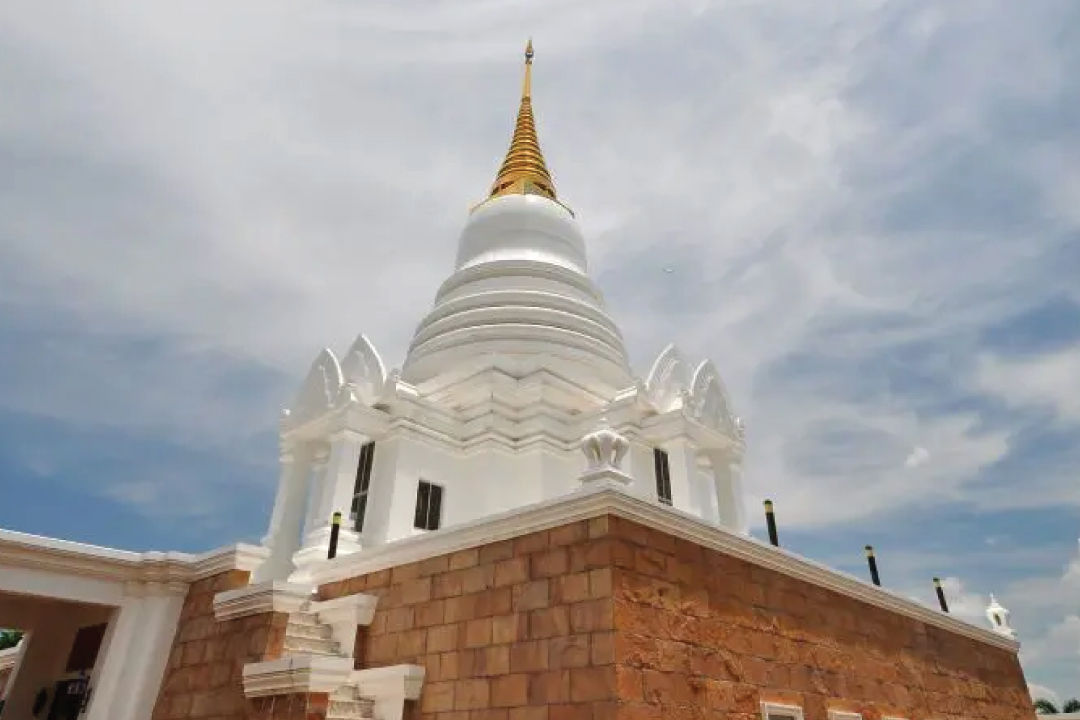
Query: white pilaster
point(682, 462)
point(131, 665)
point(729, 495)
point(316, 487)
point(397, 490)
point(283, 535)
point(340, 480)
point(642, 470)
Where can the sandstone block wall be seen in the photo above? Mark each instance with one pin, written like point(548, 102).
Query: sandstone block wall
point(696, 628)
point(517, 630)
point(606, 619)
point(204, 677)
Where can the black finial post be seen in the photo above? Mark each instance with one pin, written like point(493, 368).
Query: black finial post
point(770, 520)
point(335, 531)
point(941, 595)
point(872, 562)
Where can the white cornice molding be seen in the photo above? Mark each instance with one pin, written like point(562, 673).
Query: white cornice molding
point(298, 674)
point(676, 424)
point(64, 556)
point(357, 417)
point(240, 556)
point(270, 596)
point(594, 502)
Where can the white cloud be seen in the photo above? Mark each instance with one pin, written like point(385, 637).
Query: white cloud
point(1048, 381)
point(248, 183)
point(964, 603)
point(918, 456)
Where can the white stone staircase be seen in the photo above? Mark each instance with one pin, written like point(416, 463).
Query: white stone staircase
point(318, 652)
point(306, 634)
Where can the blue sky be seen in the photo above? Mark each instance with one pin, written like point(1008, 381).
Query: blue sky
point(871, 209)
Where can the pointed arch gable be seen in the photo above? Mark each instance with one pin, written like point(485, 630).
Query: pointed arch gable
point(320, 388)
point(364, 368)
point(709, 399)
point(669, 376)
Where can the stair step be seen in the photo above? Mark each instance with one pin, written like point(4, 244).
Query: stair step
point(349, 710)
point(313, 646)
point(304, 618)
point(346, 704)
point(311, 632)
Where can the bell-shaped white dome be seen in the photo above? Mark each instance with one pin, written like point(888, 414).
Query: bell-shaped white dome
point(522, 227)
point(520, 294)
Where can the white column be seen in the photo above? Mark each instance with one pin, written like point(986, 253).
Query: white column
point(335, 495)
point(682, 462)
point(109, 683)
point(382, 494)
point(396, 498)
point(730, 499)
point(283, 536)
point(140, 652)
point(340, 480)
point(316, 484)
point(642, 470)
point(727, 474)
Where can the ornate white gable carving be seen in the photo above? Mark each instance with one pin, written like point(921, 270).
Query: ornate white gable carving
point(363, 369)
point(668, 379)
point(320, 389)
point(709, 402)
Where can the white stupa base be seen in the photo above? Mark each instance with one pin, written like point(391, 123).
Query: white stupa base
point(605, 477)
point(316, 546)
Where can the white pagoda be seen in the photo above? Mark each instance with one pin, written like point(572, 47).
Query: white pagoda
point(517, 361)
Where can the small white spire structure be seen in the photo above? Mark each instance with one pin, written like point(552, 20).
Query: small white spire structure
point(604, 451)
point(999, 618)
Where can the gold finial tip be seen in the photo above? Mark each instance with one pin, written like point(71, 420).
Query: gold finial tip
point(523, 171)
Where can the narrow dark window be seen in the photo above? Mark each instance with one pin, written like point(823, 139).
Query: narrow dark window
point(663, 476)
point(428, 506)
point(363, 484)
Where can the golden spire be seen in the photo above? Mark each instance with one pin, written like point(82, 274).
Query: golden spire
point(523, 172)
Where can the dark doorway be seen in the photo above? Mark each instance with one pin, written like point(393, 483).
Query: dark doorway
point(68, 699)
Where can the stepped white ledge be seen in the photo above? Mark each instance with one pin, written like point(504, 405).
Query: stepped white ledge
point(344, 615)
point(269, 596)
point(389, 688)
point(297, 674)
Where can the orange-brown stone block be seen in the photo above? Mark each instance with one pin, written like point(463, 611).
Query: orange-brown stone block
point(606, 619)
